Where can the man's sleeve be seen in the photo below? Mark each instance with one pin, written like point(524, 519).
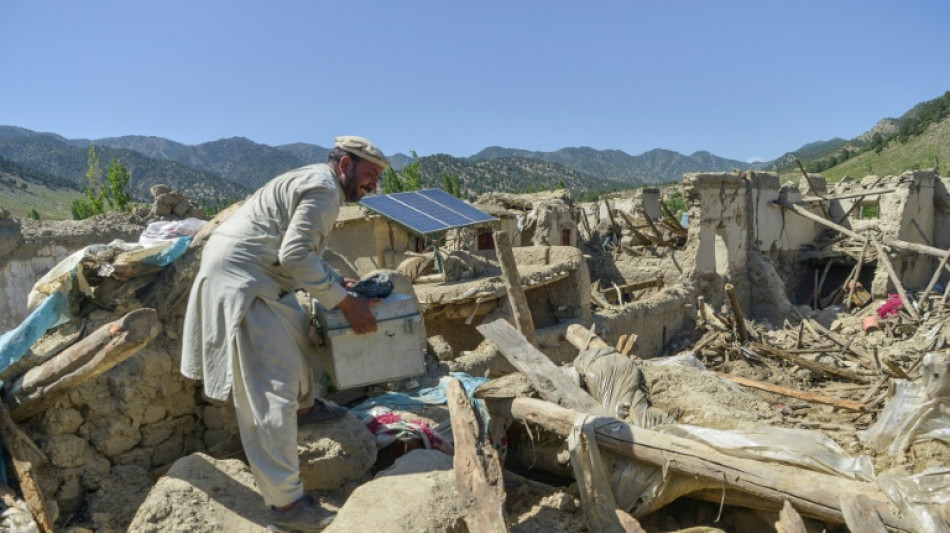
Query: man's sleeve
point(303, 245)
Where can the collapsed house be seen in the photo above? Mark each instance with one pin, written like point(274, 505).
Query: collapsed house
point(748, 318)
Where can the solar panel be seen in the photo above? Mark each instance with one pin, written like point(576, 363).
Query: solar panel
point(427, 211)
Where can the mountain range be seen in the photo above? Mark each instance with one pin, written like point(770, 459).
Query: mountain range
point(228, 169)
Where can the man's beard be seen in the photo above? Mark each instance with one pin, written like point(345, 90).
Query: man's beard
point(350, 183)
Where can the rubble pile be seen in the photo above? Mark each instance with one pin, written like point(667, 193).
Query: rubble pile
point(776, 359)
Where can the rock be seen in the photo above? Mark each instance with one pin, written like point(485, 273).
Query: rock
point(332, 454)
point(439, 348)
point(425, 483)
point(200, 494)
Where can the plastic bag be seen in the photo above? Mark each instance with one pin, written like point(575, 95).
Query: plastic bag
point(916, 412)
point(167, 230)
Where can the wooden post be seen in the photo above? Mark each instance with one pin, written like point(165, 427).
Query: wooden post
point(933, 280)
point(853, 279)
point(882, 256)
point(29, 484)
point(512, 278)
point(478, 473)
point(737, 311)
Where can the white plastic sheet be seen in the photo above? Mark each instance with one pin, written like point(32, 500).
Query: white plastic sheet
point(923, 498)
point(916, 412)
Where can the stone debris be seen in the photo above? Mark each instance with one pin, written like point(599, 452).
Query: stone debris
point(798, 307)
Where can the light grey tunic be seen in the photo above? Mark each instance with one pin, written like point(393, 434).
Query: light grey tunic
point(270, 246)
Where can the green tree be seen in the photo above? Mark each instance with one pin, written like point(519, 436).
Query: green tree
point(676, 203)
point(34, 215)
point(407, 179)
point(560, 184)
point(119, 197)
point(451, 184)
point(116, 195)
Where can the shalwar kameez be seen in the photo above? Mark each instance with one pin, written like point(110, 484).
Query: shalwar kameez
point(243, 325)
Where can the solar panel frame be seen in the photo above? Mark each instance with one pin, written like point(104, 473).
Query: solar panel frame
point(427, 211)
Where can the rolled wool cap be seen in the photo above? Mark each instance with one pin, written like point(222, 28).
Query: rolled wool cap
point(362, 148)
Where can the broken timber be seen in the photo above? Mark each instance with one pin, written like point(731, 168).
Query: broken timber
point(812, 493)
point(478, 474)
point(551, 383)
point(509, 271)
point(90, 357)
point(14, 440)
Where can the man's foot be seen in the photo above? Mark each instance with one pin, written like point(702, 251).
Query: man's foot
point(305, 515)
point(321, 413)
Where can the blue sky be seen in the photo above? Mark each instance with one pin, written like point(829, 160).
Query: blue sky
point(740, 79)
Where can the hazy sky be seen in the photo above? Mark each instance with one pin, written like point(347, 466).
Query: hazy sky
point(750, 79)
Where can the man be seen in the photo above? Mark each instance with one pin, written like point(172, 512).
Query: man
point(245, 334)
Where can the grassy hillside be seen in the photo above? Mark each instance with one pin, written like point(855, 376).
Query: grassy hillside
point(896, 157)
point(19, 196)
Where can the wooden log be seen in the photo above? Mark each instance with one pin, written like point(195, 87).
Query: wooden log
point(813, 199)
point(644, 238)
point(92, 356)
point(550, 381)
point(908, 305)
point(801, 395)
point(737, 311)
point(478, 474)
point(814, 366)
point(613, 222)
point(813, 494)
point(789, 521)
point(814, 190)
point(13, 440)
point(582, 338)
point(915, 247)
point(653, 228)
point(820, 220)
point(934, 279)
point(860, 514)
point(857, 202)
point(512, 279)
point(621, 341)
point(628, 346)
point(677, 227)
point(852, 280)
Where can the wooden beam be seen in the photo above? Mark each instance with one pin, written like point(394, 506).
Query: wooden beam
point(90, 357)
point(812, 493)
point(478, 475)
point(814, 366)
point(934, 279)
point(737, 312)
point(813, 199)
point(801, 395)
point(789, 520)
point(860, 515)
point(512, 279)
point(882, 257)
point(550, 381)
point(582, 338)
point(13, 440)
point(819, 219)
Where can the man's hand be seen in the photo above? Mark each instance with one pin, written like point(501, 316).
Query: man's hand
point(348, 283)
point(358, 312)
